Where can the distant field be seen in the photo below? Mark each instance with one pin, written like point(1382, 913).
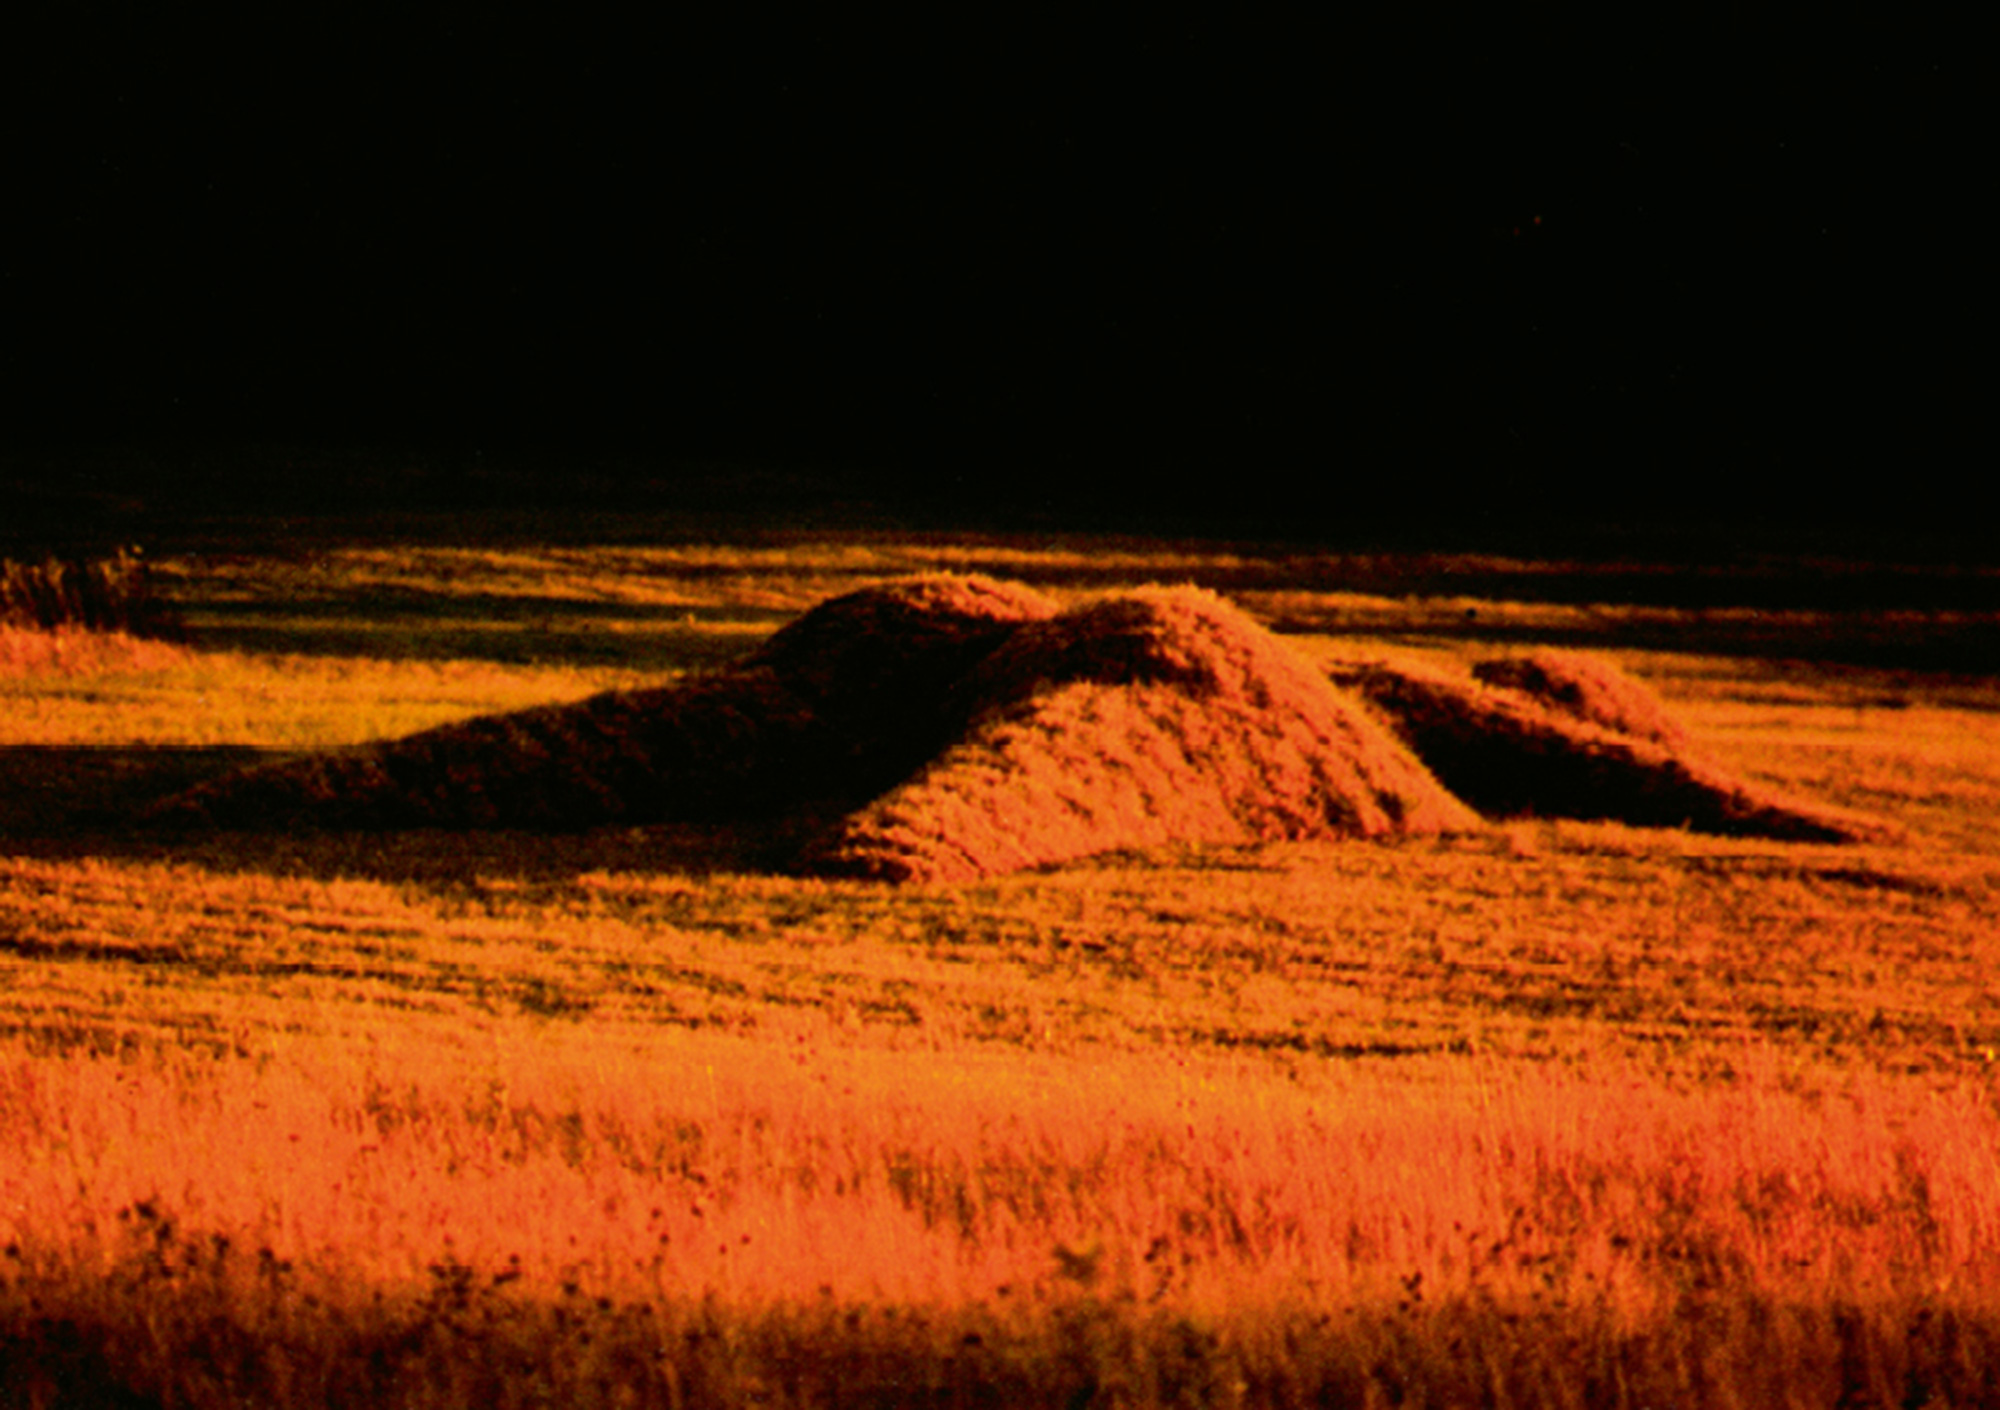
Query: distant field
point(1562, 1114)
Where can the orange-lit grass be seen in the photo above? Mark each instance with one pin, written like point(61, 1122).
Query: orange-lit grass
point(915, 1097)
point(413, 1177)
point(80, 688)
point(1740, 1093)
point(1541, 940)
point(70, 652)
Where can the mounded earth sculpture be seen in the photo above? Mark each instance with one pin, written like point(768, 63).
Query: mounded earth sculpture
point(1556, 734)
point(950, 727)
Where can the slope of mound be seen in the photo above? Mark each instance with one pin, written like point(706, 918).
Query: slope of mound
point(1155, 716)
point(1558, 747)
point(838, 705)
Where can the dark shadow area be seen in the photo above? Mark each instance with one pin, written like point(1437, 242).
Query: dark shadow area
point(439, 859)
point(580, 636)
point(52, 790)
point(238, 497)
point(80, 802)
point(67, 802)
point(1945, 645)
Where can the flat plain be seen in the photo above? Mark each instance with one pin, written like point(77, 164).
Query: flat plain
point(1562, 1112)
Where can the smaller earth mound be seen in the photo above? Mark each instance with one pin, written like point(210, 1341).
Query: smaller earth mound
point(1160, 715)
point(1576, 738)
point(1589, 688)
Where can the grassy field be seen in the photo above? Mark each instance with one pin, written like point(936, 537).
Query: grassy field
point(1560, 1114)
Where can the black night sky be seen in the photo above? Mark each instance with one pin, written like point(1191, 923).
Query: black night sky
point(1631, 273)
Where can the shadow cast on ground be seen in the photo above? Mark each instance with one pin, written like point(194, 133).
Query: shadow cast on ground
point(89, 801)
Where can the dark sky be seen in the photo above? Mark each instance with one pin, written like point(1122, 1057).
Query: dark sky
point(1633, 264)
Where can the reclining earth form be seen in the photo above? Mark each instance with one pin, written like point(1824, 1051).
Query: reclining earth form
point(1560, 735)
point(954, 727)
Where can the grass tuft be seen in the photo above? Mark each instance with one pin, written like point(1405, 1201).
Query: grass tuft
point(106, 595)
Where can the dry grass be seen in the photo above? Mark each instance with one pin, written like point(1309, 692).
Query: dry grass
point(103, 691)
point(64, 651)
point(599, 1217)
point(1558, 1113)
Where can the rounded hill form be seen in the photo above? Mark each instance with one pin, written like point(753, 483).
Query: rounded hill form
point(1160, 715)
point(1587, 688)
point(1578, 741)
point(954, 727)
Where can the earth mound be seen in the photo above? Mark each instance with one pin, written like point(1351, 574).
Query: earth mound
point(1589, 688)
point(955, 727)
point(1558, 735)
point(1161, 715)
